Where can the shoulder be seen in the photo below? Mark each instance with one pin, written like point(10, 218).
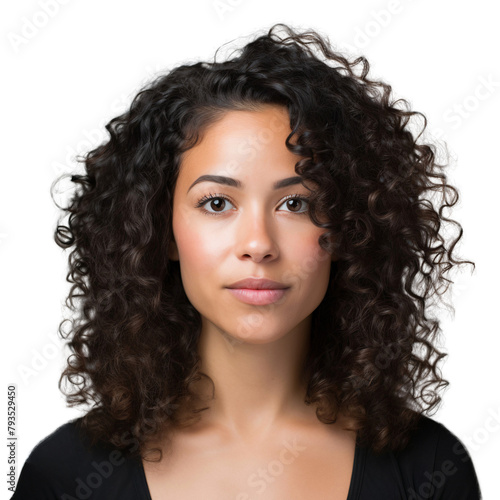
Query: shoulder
point(438, 463)
point(65, 465)
point(435, 464)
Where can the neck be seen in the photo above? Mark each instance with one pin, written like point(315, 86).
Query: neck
point(258, 387)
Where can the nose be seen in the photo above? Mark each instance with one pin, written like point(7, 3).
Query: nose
point(257, 236)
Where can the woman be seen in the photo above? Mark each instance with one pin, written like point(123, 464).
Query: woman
point(256, 248)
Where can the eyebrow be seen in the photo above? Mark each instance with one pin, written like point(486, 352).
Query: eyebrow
point(229, 181)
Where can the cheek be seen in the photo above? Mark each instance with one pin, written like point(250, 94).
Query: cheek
point(193, 267)
point(305, 245)
point(200, 253)
point(311, 264)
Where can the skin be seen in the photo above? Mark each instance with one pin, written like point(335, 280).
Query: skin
point(254, 354)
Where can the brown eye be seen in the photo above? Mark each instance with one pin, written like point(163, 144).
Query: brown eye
point(292, 204)
point(216, 205)
point(295, 202)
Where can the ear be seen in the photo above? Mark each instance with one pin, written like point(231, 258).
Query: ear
point(173, 251)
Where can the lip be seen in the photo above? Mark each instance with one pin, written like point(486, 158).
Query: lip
point(258, 291)
point(260, 297)
point(258, 284)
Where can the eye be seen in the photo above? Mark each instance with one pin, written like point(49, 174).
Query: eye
point(218, 202)
point(296, 198)
point(218, 206)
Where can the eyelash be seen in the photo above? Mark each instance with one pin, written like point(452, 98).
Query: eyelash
point(211, 196)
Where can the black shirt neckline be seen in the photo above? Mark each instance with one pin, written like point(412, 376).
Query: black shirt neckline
point(354, 486)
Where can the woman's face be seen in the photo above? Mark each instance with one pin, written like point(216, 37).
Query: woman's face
point(248, 229)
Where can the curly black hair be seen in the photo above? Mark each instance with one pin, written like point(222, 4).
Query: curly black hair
point(373, 352)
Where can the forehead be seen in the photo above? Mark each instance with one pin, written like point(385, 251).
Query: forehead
point(242, 142)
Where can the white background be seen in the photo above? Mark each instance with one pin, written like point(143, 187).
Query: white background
point(84, 62)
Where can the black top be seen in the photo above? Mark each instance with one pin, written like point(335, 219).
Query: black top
point(434, 465)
